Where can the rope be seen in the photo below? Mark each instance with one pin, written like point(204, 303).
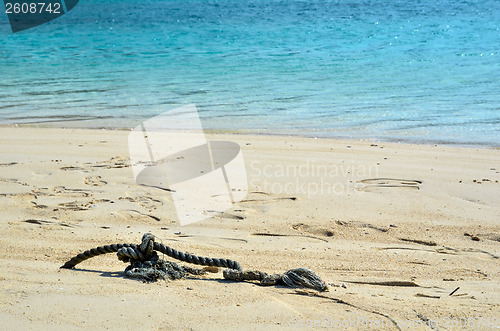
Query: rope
point(144, 251)
point(299, 277)
point(146, 265)
point(200, 260)
point(94, 252)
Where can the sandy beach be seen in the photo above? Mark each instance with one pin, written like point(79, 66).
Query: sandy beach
point(393, 229)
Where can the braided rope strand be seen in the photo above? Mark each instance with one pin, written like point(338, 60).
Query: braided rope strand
point(95, 252)
point(194, 259)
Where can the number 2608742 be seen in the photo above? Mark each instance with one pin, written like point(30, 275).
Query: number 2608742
point(32, 8)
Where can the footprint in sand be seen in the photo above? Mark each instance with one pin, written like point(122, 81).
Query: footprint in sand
point(46, 222)
point(71, 168)
point(378, 184)
point(224, 215)
point(80, 205)
point(61, 191)
point(144, 201)
point(74, 205)
point(12, 180)
point(114, 162)
point(133, 214)
point(94, 181)
point(265, 197)
point(331, 228)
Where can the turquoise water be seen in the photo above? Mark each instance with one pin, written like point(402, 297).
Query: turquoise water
point(410, 70)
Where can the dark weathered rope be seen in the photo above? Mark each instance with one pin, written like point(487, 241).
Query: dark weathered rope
point(145, 264)
point(95, 252)
point(200, 260)
point(144, 251)
point(299, 277)
point(303, 277)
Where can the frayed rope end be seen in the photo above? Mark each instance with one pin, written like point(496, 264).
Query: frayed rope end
point(295, 278)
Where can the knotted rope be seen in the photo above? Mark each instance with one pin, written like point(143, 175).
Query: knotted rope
point(146, 265)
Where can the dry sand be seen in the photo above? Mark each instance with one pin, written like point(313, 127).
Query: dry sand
point(391, 249)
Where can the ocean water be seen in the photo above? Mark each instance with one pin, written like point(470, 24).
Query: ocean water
point(404, 70)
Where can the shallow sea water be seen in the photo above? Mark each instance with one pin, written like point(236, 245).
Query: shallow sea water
point(421, 71)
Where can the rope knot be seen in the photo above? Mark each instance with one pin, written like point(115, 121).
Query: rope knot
point(147, 244)
point(143, 252)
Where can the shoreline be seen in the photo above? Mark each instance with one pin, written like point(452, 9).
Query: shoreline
point(430, 142)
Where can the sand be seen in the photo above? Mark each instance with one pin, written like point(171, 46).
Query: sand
point(392, 228)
